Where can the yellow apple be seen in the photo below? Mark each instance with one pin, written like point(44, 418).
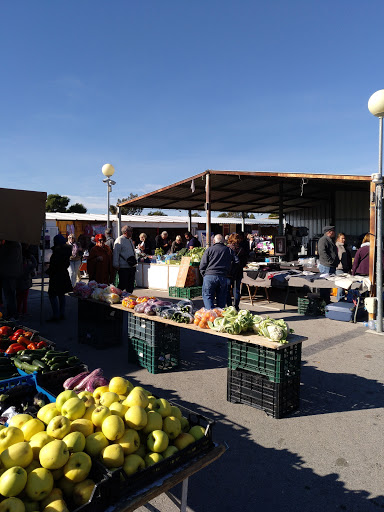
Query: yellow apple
point(33, 465)
point(184, 439)
point(113, 427)
point(78, 467)
point(66, 486)
point(99, 391)
point(82, 425)
point(19, 420)
point(154, 422)
point(58, 427)
point(82, 492)
point(43, 410)
point(172, 427)
point(75, 442)
point(56, 506)
point(137, 397)
point(32, 427)
point(55, 494)
point(141, 451)
point(163, 407)
point(157, 441)
point(87, 398)
point(171, 450)
point(100, 414)
point(143, 389)
point(12, 505)
point(9, 436)
point(153, 458)
point(197, 432)
point(118, 385)
point(54, 455)
point(132, 464)
point(135, 417)
point(13, 481)
point(118, 408)
point(108, 398)
point(49, 414)
point(184, 424)
point(175, 411)
point(88, 412)
point(130, 441)
point(39, 484)
point(57, 473)
point(94, 443)
point(73, 409)
point(63, 397)
point(39, 440)
point(19, 454)
point(151, 403)
point(112, 456)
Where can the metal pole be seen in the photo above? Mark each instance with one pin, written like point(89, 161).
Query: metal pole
point(243, 222)
point(190, 221)
point(281, 209)
point(109, 189)
point(379, 235)
point(118, 221)
point(208, 208)
point(42, 273)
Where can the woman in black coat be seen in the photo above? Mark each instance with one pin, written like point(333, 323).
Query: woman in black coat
point(59, 280)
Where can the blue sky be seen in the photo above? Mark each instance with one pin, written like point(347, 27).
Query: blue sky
point(167, 89)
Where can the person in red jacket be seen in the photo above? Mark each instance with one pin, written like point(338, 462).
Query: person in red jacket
point(361, 262)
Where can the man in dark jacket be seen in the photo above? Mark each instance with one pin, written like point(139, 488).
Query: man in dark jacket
point(192, 241)
point(215, 267)
point(109, 240)
point(328, 258)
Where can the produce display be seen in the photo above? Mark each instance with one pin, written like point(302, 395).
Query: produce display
point(47, 460)
point(96, 291)
point(44, 360)
point(196, 253)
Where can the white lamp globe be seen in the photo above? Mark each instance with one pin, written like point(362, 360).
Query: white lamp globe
point(108, 170)
point(376, 103)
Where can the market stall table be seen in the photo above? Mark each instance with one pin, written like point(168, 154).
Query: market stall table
point(181, 474)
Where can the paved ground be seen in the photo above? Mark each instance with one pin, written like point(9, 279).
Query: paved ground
point(326, 457)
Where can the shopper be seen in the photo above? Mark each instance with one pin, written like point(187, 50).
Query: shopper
point(99, 262)
point(124, 259)
point(24, 282)
point(236, 271)
point(163, 242)
point(328, 258)
point(59, 281)
point(144, 246)
point(109, 240)
point(215, 266)
point(361, 261)
point(192, 241)
point(74, 260)
point(345, 261)
point(11, 268)
point(177, 244)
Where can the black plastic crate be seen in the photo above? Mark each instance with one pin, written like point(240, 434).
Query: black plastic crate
point(160, 357)
point(311, 306)
point(154, 333)
point(122, 486)
point(53, 381)
point(101, 497)
point(186, 293)
point(99, 325)
point(256, 390)
point(277, 365)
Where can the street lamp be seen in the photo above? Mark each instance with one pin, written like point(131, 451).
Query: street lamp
point(108, 171)
point(376, 107)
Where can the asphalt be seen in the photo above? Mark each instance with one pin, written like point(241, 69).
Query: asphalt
point(327, 456)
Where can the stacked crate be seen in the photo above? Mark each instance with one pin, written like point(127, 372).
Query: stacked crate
point(153, 345)
point(264, 378)
point(99, 325)
point(185, 293)
point(311, 306)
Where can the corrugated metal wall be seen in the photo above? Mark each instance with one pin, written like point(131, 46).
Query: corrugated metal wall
point(351, 215)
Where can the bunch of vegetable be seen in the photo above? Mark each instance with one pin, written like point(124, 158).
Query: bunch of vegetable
point(129, 301)
point(196, 253)
point(44, 360)
point(82, 290)
point(150, 306)
point(14, 339)
point(181, 312)
point(86, 381)
point(274, 330)
point(205, 316)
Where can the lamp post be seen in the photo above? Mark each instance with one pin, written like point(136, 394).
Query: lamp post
point(376, 107)
point(108, 171)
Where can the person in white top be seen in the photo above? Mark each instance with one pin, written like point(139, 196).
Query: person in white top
point(124, 259)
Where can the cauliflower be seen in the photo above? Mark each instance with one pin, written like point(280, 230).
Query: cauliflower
point(275, 332)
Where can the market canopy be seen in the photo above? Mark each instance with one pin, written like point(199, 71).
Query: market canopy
point(22, 215)
point(243, 191)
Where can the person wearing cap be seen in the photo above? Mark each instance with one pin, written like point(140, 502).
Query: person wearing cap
point(99, 262)
point(59, 280)
point(327, 249)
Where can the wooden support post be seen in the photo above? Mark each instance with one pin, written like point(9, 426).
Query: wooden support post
point(208, 208)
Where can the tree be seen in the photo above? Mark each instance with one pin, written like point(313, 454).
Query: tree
point(77, 208)
point(273, 216)
point(236, 215)
point(157, 212)
point(56, 203)
point(126, 210)
point(195, 214)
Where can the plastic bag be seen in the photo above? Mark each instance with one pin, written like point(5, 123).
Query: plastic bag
point(112, 298)
point(168, 313)
point(185, 305)
point(139, 308)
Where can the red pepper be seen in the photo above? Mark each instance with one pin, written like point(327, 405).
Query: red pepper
point(15, 347)
point(23, 341)
point(19, 332)
point(5, 330)
point(14, 337)
point(32, 346)
point(42, 344)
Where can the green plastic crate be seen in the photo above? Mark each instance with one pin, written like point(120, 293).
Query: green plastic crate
point(158, 358)
point(310, 307)
point(185, 293)
point(153, 333)
point(277, 365)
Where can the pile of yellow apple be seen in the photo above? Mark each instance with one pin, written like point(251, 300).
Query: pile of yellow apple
point(45, 461)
